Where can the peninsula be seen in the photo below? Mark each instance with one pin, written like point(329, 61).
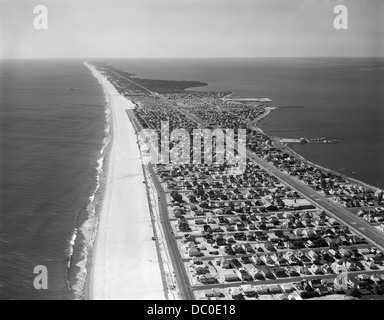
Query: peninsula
point(284, 229)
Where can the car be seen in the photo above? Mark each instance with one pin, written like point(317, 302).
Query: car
point(214, 252)
point(154, 238)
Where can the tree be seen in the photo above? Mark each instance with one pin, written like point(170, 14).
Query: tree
point(176, 196)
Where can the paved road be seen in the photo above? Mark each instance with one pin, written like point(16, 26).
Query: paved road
point(181, 273)
point(136, 84)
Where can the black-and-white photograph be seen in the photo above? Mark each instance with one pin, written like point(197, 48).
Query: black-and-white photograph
point(166, 150)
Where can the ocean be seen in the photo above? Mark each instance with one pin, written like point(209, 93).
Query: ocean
point(54, 135)
point(52, 131)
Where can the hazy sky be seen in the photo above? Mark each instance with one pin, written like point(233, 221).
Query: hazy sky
point(190, 28)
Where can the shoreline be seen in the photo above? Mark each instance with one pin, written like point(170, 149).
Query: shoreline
point(123, 218)
point(107, 151)
point(344, 176)
point(287, 147)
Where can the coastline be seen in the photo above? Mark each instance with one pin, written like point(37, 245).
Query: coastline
point(287, 147)
point(359, 182)
point(124, 262)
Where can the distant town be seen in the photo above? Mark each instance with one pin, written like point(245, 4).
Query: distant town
point(285, 229)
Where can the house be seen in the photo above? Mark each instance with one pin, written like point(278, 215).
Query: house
point(261, 236)
point(216, 228)
point(316, 269)
point(310, 244)
point(295, 296)
point(269, 246)
point(191, 244)
point(229, 227)
point(328, 240)
point(199, 221)
point(207, 279)
point(230, 276)
point(315, 283)
point(282, 261)
point(189, 238)
point(298, 204)
point(267, 273)
point(194, 252)
point(220, 241)
point(213, 293)
point(326, 269)
point(333, 252)
point(279, 272)
point(345, 253)
point(377, 279)
point(282, 296)
point(363, 251)
point(378, 259)
point(309, 232)
point(287, 287)
point(267, 259)
point(201, 270)
point(313, 255)
point(235, 293)
point(274, 289)
point(261, 289)
point(224, 263)
point(256, 260)
point(363, 277)
point(371, 265)
point(350, 266)
point(238, 249)
point(248, 290)
point(183, 225)
point(248, 248)
point(298, 232)
point(322, 290)
point(244, 275)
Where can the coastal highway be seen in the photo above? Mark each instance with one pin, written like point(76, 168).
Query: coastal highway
point(181, 273)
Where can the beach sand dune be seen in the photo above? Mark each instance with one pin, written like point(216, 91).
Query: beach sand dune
point(125, 262)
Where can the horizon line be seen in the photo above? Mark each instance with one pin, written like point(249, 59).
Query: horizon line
point(180, 57)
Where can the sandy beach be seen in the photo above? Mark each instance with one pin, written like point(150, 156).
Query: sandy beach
point(125, 263)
